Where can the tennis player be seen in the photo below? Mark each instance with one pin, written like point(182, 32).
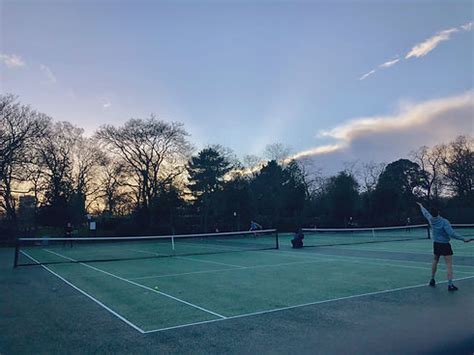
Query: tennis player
point(254, 226)
point(442, 233)
point(68, 234)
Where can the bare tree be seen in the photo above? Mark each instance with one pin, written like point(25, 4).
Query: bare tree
point(430, 161)
point(458, 161)
point(277, 152)
point(251, 161)
point(369, 174)
point(113, 187)
point(312, 176)
point(20, 128)
point(87, 159)
point(155, 152)
point(56, 161)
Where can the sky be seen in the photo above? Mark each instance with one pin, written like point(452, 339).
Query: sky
point(335, 81)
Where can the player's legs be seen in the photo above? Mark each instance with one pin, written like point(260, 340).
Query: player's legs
point(434, 266)
point(449, 265)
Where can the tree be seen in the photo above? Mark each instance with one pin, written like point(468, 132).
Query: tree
point(295, 191)
point(341, 198)
point(430, 161)
point(279, 194)
point(20, 128)
point(113, 187)
point(206, 177)
point(266, 191)
point(458, 161)
point(55, 167)
point(400, 184)
point(277, 152)
point(88, 158)
point(154, 151)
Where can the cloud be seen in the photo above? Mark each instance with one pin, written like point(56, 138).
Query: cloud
point(467, 26)
point(12, 60)
point(367, 74)
point(386, 138)
point(106, 102)
point(423, 48)
point(389, 63)
point(49, 74)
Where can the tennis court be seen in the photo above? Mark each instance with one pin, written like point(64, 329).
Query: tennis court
point(241, 277)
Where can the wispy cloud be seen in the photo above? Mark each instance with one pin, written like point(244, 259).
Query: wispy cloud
point(106, 101)
point(421, 49)
point(387, 64)
point(467, 26)
point(12, 60)
point(321, 150)
point(388, 137)
point(366, 75)
point(49, 74)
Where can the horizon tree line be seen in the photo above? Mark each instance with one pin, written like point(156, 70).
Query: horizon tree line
point(145, 177)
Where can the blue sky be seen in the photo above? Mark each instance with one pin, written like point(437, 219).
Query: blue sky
point(245, 74)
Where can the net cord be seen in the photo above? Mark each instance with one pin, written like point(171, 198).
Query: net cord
point(151, 237)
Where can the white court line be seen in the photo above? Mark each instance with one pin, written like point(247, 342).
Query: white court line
point(122, 318)
point(316, 255)
point(211, 262)
point(234, 269)
point(231, 317)
point(302, 305)
point(141, 286)
point(187, 258)
point(424, 252)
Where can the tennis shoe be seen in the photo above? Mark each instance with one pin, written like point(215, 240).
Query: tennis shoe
point(432, 283)
point(452, 288)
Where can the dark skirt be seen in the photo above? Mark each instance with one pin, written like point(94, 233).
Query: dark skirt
point(442, 249)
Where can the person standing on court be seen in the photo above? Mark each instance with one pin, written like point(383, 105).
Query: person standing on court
point(254, 226)
point(68, 234)
point(442, 232)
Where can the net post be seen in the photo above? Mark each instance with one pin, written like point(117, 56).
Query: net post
point(276, 240)
point(428, 229)
point(172, 243)
point(17, 252)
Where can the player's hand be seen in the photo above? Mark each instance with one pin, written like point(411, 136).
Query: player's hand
point(419, 204)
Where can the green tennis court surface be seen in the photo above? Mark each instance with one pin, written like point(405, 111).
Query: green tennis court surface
point(156, 294)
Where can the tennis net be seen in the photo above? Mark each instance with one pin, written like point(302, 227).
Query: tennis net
point(34, 251)
point(345, 236)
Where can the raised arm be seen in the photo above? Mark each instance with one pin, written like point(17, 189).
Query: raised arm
point(425, 212)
